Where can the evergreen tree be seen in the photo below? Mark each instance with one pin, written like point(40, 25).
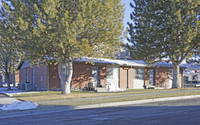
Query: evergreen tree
point(164, 30)
point(64, 30)
point(9, 45)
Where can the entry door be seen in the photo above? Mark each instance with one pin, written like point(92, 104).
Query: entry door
point(112, 78)
point(138, 79)
point(95, 76)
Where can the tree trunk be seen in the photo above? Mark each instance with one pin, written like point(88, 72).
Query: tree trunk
point(65, 74)
point(8, 80)
point(176, 78)
point(13, 80)
point(7, 74)
point(1, 81)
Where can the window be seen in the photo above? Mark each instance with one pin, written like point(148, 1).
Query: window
point(152, 76)
point(139, 73)
point(109, 73)
point(171, 73)
point(195, 78)
point(186, 79)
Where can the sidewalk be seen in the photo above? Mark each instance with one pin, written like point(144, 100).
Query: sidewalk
point(7, 100)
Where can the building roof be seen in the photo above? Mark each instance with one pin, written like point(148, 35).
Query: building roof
point(23, 64)
point(134, 63)
point(165, 64)
point(192, 66)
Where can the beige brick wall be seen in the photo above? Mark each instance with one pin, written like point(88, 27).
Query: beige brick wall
point(162, 77)
point(22, 75)
point(82, 75)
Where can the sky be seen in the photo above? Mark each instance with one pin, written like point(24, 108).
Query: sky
point(128, 11)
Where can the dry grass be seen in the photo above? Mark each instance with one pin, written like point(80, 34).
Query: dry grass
point(120, 99)
point(55, 95)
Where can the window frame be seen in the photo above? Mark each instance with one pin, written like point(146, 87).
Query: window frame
point(139, 75)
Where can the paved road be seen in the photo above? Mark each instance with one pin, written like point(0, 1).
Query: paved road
point(184, 112)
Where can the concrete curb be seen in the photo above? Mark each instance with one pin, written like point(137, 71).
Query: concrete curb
point(113, 104)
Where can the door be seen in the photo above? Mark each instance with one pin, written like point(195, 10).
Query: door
point(54, 80)
point(95, 76)
point(112, 78)
point(138, 79)
point(152, 77)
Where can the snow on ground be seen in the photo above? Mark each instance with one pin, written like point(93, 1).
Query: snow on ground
point(14, 91)
point(19, 106)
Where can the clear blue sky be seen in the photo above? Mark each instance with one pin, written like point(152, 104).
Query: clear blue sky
point(128, 11)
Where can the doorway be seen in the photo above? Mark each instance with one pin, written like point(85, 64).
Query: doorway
point(96, 76)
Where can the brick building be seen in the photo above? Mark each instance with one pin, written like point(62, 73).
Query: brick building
point(113, 75)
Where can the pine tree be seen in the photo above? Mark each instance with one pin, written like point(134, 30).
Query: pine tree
point(164, 30)
point(64, 30)
point(9, 46)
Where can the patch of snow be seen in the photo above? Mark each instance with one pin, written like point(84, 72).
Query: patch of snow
point(14, 91)
point(19, 93)
point(5, 89)
point(19, 106)
point(115, 90)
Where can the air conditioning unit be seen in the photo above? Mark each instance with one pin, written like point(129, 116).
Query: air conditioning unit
point(28, 86)
point(21, 86)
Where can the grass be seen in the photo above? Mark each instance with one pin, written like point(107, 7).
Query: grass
point(121, 99)
point(56, 95)
point(131, 96)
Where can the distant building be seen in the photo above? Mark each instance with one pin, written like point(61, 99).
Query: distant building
point(192, 74)
point(123, 53)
